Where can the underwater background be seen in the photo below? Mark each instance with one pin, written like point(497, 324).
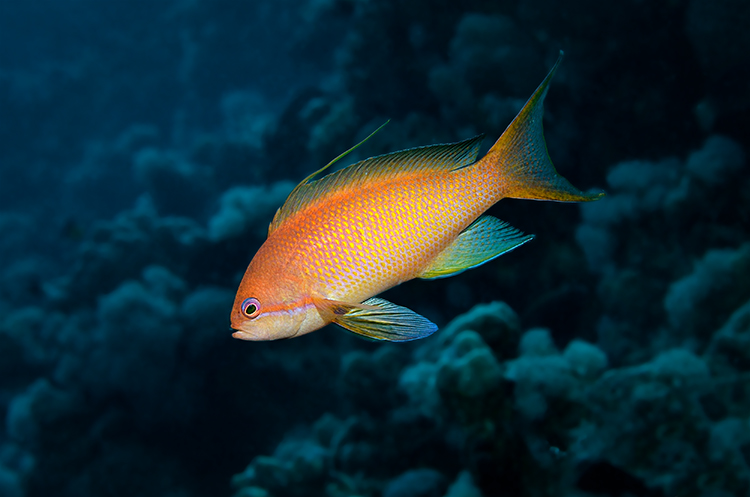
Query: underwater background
point(145, 145)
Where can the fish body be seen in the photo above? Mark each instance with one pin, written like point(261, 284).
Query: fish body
point(339, 241)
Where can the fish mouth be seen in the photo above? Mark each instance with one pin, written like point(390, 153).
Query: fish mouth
point(242, 335)
point(252, 334)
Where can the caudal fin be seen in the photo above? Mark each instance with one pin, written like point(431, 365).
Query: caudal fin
point(525, 168)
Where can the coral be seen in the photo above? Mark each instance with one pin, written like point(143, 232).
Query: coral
point(422, 482)
point(464, 377)
point(297, 468)
point(175, 186)
point(718, 161)
point(655, 206)
point(138, 327)
point(640, 188)
point(484, 49)
point(245, 209)
point(470, 369)
point(537, 343)
point(118, 249)
point(40, 406)
point(570, 412)
point(496, 322)
point(141, 165)
point(729, 350)
point(10, 484)
point(24, 332)
point(418, 382)
point(133, 349)
point(476, 81)
point(333, 132)
point(463, 486)
point(460, 365)
point(718, 282)
point(23, 271)
point(202, 312)
point(540, 374)
point(246, 117)
point(728, 437)
point(637, 188)
point(585, 359)
point(719, 43)
point(363, 373)
point(455, 385)
point(651, 421)
point(102, 183)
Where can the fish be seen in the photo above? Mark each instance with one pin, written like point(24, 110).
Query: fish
point(339, 241)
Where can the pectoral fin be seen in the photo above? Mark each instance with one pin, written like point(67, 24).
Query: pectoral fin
point(332, 309)
point(378, 319)
point(485, 239)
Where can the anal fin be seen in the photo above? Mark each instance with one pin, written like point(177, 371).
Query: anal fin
point(378, 319)
point(485, 239)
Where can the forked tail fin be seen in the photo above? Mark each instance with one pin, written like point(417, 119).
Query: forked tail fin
point(525, 168)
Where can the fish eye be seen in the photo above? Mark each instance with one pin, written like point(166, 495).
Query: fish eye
point(250, 307)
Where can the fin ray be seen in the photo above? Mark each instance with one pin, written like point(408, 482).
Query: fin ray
point(432, 157)
point(485, 239)
point(521, 154)
point(385, 321)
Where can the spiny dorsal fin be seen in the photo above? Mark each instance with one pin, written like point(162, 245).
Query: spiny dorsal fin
point(280, 215)
point(448, 156)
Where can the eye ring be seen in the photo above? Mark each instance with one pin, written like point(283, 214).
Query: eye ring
point(250, 307)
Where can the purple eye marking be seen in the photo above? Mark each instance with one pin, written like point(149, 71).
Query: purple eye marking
point(250, 307)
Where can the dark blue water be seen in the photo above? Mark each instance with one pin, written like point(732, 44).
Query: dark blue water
point(144, 147)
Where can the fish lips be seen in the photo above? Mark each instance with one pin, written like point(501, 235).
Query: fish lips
point(242, 335)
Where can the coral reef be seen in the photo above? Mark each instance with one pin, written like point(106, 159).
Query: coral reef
point(145, 147)
point(244, 209)
point(556, 421)
point(691, 254)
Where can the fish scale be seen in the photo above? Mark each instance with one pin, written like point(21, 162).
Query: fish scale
point(398, 237)
point(340, 240)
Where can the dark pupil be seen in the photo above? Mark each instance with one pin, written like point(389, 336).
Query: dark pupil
point(251, 308)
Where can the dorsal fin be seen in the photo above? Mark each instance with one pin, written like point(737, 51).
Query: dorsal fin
point(449, 156)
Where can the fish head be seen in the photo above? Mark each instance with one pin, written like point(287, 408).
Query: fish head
point(271, 305)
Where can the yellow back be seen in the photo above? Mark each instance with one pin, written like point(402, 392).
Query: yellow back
point(361, 241)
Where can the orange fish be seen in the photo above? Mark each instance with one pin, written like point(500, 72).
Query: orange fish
point(340, 240)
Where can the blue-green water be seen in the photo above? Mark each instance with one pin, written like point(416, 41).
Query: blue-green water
point(145, 146)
